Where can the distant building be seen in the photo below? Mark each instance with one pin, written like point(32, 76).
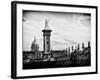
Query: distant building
point(34, 45)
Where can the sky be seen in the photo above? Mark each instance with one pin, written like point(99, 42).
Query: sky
point(67, 29)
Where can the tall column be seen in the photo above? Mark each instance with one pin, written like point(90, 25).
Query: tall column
point(88, 44)
point(46, 41)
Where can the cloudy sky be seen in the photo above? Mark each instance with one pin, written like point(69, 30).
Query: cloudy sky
point(67, 28)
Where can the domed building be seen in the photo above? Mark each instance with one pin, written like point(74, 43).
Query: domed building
point(34, 46)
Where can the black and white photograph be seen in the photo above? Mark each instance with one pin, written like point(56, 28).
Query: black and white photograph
point(56, 39)
point(53, 39)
